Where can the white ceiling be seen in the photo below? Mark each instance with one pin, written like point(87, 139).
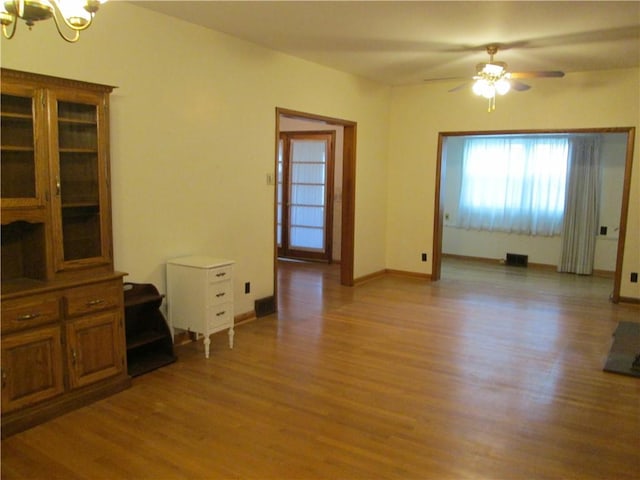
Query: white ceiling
point(398, 43)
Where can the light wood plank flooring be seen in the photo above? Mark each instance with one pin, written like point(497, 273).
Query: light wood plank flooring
point(491, 373)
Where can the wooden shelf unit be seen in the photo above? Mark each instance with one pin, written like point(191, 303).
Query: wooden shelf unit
point(149, 340)
point(63, 341)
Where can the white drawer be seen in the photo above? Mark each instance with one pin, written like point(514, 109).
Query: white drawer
point(219, 317)
point(219, 274)
point(219, 292)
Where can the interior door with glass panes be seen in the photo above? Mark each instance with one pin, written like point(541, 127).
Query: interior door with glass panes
point(305, 186)
point(81, 193)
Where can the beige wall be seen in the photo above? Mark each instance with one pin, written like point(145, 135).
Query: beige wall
point(193, 137)
point(419, 113)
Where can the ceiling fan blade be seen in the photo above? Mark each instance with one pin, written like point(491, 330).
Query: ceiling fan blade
point(541, 74)
point(519, 86)
point(459, 87)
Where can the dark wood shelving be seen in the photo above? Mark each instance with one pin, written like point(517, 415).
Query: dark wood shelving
point(149, 339)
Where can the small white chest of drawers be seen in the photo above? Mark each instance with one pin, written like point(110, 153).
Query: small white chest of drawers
point(200, 296)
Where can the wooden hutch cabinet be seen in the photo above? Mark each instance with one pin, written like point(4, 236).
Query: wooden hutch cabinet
point(62, 321)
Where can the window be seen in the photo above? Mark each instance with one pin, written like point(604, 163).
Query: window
point(514, 183)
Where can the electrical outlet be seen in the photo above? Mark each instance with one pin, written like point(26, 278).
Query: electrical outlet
point(603, 230)
point(424, 257)
point(247, 287)
point(634, 277)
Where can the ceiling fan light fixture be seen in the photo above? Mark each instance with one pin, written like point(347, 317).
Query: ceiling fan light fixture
point(493, 69)
point(484, 88)
point(503, 86)
point(493, 79)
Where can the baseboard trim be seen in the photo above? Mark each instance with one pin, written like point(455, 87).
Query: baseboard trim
point(244, 318)
point(369, 277)
point(633, 300)
point(492, 261)
point(390, 271)
point(406, 273)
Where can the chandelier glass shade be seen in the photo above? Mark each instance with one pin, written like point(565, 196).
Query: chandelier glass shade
point(492, 79)
point(71, 15)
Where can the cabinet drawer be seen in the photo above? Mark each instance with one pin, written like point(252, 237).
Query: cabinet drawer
point(219, 317)
point(101, 296)
point(219, 274)
point(220, 292)
point(27, 312)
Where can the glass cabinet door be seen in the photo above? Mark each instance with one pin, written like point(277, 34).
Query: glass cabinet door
point(21, 172)
point(79, 181)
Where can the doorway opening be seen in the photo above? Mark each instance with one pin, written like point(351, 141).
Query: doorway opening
point(622, 184)
point(342, 242)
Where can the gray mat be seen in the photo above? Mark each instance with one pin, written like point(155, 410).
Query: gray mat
point(625, 350)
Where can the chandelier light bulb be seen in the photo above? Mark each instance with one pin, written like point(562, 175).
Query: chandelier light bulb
point(74, 11)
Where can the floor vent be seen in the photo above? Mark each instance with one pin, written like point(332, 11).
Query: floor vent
point(517, 260)
point(265, 306)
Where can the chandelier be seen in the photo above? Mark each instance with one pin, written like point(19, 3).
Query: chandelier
point(76, 15)
point(490, 80)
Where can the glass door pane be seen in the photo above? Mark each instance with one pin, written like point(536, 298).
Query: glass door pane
point(279, 182)
point(307, 195)
point(18, 174)
point(78, 181)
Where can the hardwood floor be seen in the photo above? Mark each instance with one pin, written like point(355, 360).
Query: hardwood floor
point(491, 373)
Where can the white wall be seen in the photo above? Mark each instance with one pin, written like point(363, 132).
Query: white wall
point(193, 136)
point(301, 125)
point(418, 113)
point(541, 249)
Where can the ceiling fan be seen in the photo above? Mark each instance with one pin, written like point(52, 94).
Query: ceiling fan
point(493, 78)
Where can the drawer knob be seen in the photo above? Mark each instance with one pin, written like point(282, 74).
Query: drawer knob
point(219, 314)
point(93, 303)
point(28, 316)
point(221, 274)
point(220, 294)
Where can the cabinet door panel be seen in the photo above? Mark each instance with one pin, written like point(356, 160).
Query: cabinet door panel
point(31, 367)
point(23, 156)
point(79, 167)
point(94, 349)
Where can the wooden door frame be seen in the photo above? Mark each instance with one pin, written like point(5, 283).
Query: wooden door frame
point(438, 218)
point(348, 191)
point(330, 138)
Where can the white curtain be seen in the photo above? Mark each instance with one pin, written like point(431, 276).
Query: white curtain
point(514, 184)
point(580, 225)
